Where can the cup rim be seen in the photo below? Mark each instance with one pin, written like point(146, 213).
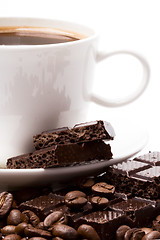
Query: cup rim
point(22, 21)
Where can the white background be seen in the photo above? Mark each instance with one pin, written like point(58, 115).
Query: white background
point(122, 24)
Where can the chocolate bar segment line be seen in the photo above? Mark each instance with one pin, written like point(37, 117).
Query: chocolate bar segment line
point(152, 158)
point(62, 155)
point(90, 131)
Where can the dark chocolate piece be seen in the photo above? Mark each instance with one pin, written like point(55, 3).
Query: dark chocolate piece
point(84, 132)
point(42, 205)
point(141, 183)
point(130, 167)
point(152, 158)
point(62, 155)
point(104, 222)
point(141, 211)
point(148, 174)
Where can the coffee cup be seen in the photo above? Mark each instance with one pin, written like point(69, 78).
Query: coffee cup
point(47, 71)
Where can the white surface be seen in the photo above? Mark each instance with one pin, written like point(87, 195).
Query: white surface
point(124, 146)
point(130, 25)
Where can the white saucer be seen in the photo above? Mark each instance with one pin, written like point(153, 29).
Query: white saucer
point(129, 140)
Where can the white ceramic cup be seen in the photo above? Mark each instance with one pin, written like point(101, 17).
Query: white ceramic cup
point(49, 86)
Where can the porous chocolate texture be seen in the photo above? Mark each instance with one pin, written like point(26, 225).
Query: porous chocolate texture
point(62, 155)
point(138, 177)
point(84, 132)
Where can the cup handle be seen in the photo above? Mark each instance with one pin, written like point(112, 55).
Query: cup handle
point(122, 101)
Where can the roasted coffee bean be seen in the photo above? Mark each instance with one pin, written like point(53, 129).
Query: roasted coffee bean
point(152, 235)
point(40, 225)
point(156, 225)
point(147, 230)
point(86, 183)
point(6, 200)
point(30, 231)
point(129, 233)
point(55, 217)
point(64, 231)
point(19, 229)
point(33, 218)
point(37, 238)
point(9, 229)
point(158, 218)
point(15, 217)
point(12, 237)
point(137, 235)
point(88, 232)
point(103, 189)
point(75, 199)
point(121, 232)
point(57, 238)
point(99, 202)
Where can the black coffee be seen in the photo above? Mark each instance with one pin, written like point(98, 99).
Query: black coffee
point(35, 36)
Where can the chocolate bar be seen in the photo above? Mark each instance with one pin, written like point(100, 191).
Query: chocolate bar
point(83, 132)
point(152, 158)
point(136, 177)
point(141, 211)
point(62, 155)
point(42, 205)
point(104, 222)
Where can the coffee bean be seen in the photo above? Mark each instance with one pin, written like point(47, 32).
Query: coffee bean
point(6, 200)
point(86, 183)
point(99, 202)
point(40, 225)
point(64, 231)
point(57, 238)
point(19, 229)
point(12, 237)
point(158, 218)
point(156, 225)
point(9, 229)
point(121, 232)
point(33, 218)
point(75, 199)
point(103, 189)
point(30, 231)
point(137, 235)
point(37, 238)
point(88, 232)
point(15, 217)
point(129, 233)
point(147, 230)
point(55, 217)
point(152, 235)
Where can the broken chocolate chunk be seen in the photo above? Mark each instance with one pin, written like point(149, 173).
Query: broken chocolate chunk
point(62, 155)
point(84, 132)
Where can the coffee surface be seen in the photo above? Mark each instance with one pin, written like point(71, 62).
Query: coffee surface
point(35, 36)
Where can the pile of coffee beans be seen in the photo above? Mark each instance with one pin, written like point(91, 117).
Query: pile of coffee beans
point(125, 232)
point(16, 224)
